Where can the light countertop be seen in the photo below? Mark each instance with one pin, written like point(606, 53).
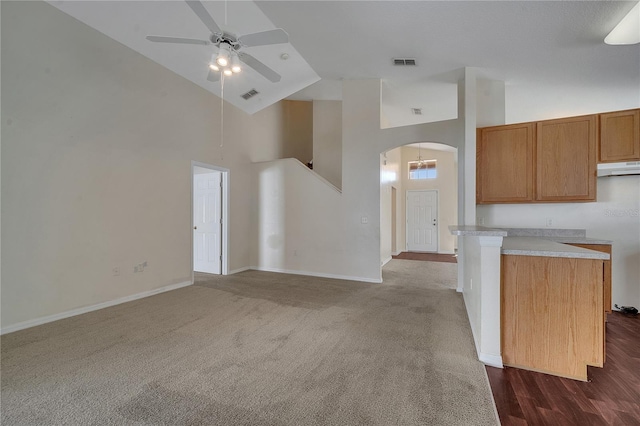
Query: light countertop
point(543, 242)
point(534, 246)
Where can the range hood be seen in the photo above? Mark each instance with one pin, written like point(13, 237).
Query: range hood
point(619, 169)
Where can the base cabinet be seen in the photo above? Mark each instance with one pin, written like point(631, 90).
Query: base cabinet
point(552, 317)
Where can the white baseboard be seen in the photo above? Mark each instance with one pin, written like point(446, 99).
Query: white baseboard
point(492, 360)
point(318, 274)
point(384, 262)
point(84, 310)
point(236, 271)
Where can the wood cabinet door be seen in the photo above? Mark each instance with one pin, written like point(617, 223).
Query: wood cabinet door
point(566, 159)
point(505, 164)
point(619, 136)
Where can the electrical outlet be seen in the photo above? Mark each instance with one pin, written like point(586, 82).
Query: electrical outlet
point(470, 283)
point(364, 220)
point(480, 220)
point(115, 271)
point(549, 222)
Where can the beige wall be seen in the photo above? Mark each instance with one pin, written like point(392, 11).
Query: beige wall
point(97, 144)
point(447, 185)
point(327, 140)
point(298, 130)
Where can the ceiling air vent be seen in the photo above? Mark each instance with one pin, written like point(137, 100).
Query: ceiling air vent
point(250, 94)
point(416, 111)
point(404, 61)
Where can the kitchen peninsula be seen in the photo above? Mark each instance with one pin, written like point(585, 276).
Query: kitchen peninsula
point(551, 296)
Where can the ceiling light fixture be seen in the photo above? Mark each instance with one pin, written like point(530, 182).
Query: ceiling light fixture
point(223, 55)
point(628, 29)
point(227, 72)
point(420, 161)
point(235, 63)
point(212, 64)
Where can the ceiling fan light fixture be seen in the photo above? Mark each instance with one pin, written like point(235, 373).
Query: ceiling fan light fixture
point(223, 55)
point(227, 72)
point(628, 29)
point(235, 63)
point(213, 66)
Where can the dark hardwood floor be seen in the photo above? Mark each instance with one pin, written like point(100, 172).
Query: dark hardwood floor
point(430, 257)
point(611, 397)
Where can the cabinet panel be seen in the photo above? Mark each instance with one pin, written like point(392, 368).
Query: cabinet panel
point(552, 319)
point(619, 136)
point(566, 159)
point(505, 164)
point(604, 248)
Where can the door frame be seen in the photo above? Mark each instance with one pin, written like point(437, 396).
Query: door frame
point(406, 220)
point(225, 214)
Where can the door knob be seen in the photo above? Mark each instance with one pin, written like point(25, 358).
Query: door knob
point(195, 227)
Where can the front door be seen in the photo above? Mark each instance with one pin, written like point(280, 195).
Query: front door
point(422, 221)
point(207, 222)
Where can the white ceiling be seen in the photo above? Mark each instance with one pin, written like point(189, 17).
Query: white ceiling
point(550, 54)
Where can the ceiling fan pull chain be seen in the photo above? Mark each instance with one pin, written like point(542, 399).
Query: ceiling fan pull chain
point(222, 116)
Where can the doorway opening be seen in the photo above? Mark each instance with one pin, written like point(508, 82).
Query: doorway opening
point(209, 218)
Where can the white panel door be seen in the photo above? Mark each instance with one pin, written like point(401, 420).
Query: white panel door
point(422, 221)
point(207, 222)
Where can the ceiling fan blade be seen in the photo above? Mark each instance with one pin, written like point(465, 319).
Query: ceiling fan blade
point(213, 76)
point(202, 13)
point(161, 39)
point(264, 38)
point(261, 68)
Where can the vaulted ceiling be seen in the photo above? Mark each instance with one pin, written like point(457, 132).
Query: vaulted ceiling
point(551, 55)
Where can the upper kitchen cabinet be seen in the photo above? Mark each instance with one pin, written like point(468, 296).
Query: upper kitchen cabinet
point(619, 136)
point(505, 164)
point(566, 159)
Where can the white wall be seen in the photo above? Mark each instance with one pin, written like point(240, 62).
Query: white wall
point(362, 142)
point(390, 177)
point(97, 144)
point(446, 183)
point(327, 140)
point(613, 217)
point(296, 218)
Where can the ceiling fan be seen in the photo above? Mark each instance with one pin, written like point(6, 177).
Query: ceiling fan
point(229, 56)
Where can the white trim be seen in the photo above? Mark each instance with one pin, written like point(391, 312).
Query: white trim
point(492, 360)
point(236, 271)
point(318, 274)
point(84, 310)
point(384, 262)
point(226, 187)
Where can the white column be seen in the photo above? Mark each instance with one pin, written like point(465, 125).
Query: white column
point(490, 345)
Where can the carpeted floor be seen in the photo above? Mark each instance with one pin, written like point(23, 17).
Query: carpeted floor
point(258, 348)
